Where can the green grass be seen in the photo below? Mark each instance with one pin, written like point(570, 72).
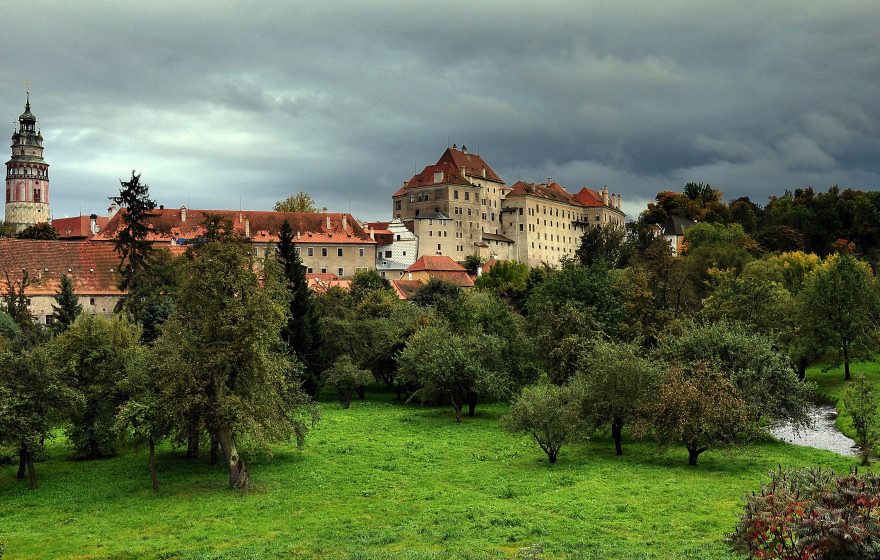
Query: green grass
point(384, 480)
point(832, 386)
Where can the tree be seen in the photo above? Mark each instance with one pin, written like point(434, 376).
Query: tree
point(761, 375)
point(302, 331)
point(548, 413)
point(811, 514)
point(861, 405)
point(32, 396)
point(68, 308)
point(508, 279)
point(219, 356)
point(6, 229)
point(472, 263)
point(562, 334)
point(434, 290)
point(43, 230)
point(366, 281)
point(697, 407)
point(131, 239)
point(346, 377)
point(614, 384)
point(30, 331)
point(605, 243)
point(453, 365)
point(837, 308)
point(299, 202)
point(151, 293)
point(95, 354)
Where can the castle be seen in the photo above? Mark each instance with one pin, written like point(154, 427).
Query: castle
point(27, 175)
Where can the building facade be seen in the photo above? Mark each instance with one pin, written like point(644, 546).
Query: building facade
point(27, 175)
point(459, 207)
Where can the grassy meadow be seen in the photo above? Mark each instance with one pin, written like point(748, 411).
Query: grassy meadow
point(387, 480)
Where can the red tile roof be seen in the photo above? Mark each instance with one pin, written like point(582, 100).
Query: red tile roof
point(169, 226)
point(448, 175)
point(406, 288)
point(323, 281)
point(78, 226)
point(435, 263)
point(462, 278)
point(93, 266)
point(473, 163)
point(587, 198)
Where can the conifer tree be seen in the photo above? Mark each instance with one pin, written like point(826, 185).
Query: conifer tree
point(68, 308)
point(131, 240)
point(302, 333)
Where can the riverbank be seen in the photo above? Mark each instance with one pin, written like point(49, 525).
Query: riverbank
point(831, 386)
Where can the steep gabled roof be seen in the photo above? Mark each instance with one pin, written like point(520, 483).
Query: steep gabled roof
point(553, 192)
point(589, 198)
point(473, 164)
point(78, 226)
point(439, 174)
point(168, 225)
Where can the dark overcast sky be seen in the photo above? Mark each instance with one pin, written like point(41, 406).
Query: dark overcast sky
point(225, 103)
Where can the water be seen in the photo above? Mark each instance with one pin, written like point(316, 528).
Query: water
point(823, 435)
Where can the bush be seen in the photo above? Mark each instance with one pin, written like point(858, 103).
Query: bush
point(812, 514)
point(346, 377)
point(549, 413)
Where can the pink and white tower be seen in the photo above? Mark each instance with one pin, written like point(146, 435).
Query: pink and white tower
point(27, 175)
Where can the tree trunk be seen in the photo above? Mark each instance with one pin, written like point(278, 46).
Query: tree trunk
point(616, 433)
point(345, 398)
point(472, 404)
point(192, 444)
point(362, 392)
point(153, 465)
point(802, 368)
point(239, 477)
point(31, 472)
point(22, 461)
point(846, 374)
point(552, 456)
point(215, 449)
point(457, 407)
point(693, 453)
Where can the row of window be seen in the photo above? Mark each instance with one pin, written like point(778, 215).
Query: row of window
point(339, 271)
point(310, 251)
point(467, 195)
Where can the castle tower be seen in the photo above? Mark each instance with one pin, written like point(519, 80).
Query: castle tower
point(27, 175)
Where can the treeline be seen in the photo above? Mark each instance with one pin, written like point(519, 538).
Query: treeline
point(799, 220)
point(213, 350)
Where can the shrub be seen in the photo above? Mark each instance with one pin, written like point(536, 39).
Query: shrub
point(547, 412)
point(346, 377)
point(812, 514)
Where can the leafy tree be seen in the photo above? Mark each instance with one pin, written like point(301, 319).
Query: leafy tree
point(7, 229)
point(302, 332)
point(131, 239)
point(219, 355)
point(299, 202)
point(8, 328)
point(837, 307)
point(453, 365)
point(605, 243)
point(562, 335)
point(472, 262)
point(95, 355)
point(151, 293)
point(346, 377)
point(699, 408)
point(68, 308)
point(586, 288)
point(761, 374)
point(811, 514)
point(16, 301)
point(548, 413)
point(508, 279)
point(861, 405)
point(42, 230)
point(142, 413)
point(434, 290)
point(366, 281)
point(32, 396)
point(614, 383)
point(780, 238)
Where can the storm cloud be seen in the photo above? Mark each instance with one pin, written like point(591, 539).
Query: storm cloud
point(227, 104)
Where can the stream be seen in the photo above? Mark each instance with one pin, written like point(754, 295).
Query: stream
point(823, 434)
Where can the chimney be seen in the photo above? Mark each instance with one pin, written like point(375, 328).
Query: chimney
point(112, 210)
point(247, 228)
point(323, 209)
point(463, 149)
point(618, 201)
point(409, 275)
point(479, 271)
point(240, 218)
point(345, 222)
point(372, 233)
point(183, 213)
point(93, 224)
point(549, 181)
point(328, 220)
point(605, 196)
point(297, 236)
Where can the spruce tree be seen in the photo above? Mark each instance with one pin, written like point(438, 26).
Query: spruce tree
point(131, 240)
point(302, 333)
point(68, 308)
